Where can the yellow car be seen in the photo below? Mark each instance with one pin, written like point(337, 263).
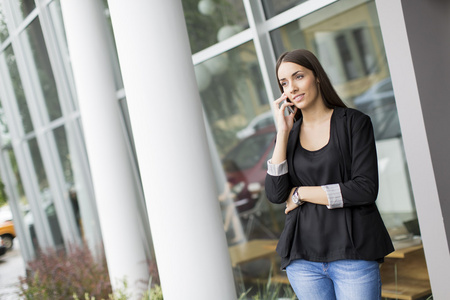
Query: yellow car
point(7, 233)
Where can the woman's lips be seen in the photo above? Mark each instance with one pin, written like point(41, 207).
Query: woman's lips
point(298, 98)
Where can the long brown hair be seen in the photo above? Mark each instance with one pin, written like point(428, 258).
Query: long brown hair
point(308, 60)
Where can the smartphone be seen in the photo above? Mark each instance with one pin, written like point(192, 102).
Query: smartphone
point(289, 108)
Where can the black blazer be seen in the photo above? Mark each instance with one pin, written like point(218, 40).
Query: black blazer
point(359, 187)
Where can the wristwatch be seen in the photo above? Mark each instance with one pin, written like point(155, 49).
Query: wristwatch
point(296, 198)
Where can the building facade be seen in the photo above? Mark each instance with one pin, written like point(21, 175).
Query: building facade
point(145, 127)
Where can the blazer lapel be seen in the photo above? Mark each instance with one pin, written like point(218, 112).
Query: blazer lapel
point(292, 143)
point(343, 140)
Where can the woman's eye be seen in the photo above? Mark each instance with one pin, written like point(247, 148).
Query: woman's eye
point(299, 76)
point(283, 83)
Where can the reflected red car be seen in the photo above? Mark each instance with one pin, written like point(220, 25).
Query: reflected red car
point(246, 167)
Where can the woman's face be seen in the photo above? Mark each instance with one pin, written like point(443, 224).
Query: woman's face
point(300, 85)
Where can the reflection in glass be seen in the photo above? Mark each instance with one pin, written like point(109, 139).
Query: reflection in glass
point(212, 21)
point(45, 193)
point(241, 129)
point(275, 7)
point(18, 89)
point(64, 156)
point(3, 28)
point(23, 8)
point(66, 163)
point(4, 131)
point(233, 94)
point(112, 47)
point(351, 49)
point(22, 201)
point(43, 68)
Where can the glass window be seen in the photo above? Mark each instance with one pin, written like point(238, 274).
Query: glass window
point(4, 131)
point(346, 37)
point(240, 124)
point(274, 7)
point(66, 163)
point(45, 192)
point(212, 21)
point(233, 95)
point(64, 155)
point(22, 199)
point(41, 62)
point(10, 58)
point(23, 8)
point(3, 28)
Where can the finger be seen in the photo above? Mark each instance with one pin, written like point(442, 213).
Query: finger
point(279, 100)
point(285, 105)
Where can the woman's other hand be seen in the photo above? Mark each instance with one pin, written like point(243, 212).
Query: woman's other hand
point(284, 123)
point(290, 206)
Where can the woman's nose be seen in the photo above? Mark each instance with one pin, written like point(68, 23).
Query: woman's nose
point(293, 89)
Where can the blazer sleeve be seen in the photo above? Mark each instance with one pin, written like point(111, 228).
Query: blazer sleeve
point(362, 188)
point(278, 188)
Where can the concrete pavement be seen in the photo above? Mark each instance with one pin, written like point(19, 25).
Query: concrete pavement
point(11, 267)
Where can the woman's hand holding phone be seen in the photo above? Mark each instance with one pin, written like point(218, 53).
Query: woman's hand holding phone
point(284, 123)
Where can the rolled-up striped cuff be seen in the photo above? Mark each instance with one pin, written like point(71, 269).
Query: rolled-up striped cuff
point(277, 169)
point(334, 195)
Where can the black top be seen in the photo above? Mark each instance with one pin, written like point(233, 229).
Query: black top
point(314, 232)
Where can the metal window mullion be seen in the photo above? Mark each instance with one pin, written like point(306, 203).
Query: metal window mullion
point(56, 179)
point(221, 47)
point(75, 134)
point(21, 25)
point(56, 61)
point(31, 186)
point(26, 246)
point(75, 127)
point(52, 167)
point(5, 44)
point(39, 117)
point(12, 115)
point(9, 102)
point(30, 81)
point(43, 2)
point(64, 92)
point(20, 147)
point(294, 13)
point(263, 47)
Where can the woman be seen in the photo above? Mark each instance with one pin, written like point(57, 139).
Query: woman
point(324, 168)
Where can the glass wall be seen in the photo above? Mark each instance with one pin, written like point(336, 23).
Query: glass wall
point(275, 7)
point(236, 93)
point(38, 59)
point(44, 164)
point(10, 58)
point(212, 21)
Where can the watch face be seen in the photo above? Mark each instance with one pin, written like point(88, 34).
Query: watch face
point(295, 198)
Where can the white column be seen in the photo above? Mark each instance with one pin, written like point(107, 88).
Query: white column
point(416, 61)
point(172, 149)
point(112, 176)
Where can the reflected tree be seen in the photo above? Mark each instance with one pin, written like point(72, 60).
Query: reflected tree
point(3, 197)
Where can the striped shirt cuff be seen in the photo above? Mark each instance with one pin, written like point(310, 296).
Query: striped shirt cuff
point(277, 169)
point(334, 196)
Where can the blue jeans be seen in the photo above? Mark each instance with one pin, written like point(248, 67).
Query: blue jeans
point(337, 280)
